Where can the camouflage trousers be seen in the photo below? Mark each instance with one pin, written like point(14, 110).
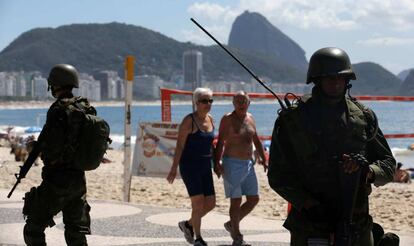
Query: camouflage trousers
point(301, 239)
point(45, 201)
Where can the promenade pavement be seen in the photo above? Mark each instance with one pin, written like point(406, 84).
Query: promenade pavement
point(116, 223)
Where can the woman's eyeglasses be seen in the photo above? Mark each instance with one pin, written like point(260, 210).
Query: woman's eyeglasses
point(206, 101)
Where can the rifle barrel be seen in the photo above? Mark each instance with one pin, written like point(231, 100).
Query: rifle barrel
point(14, 187)
point(235, 58)
point(26, 166)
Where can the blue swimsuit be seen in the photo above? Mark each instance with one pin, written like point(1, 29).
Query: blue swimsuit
point(195, 162)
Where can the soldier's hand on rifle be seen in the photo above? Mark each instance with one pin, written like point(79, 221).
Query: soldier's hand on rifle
point(349, 165)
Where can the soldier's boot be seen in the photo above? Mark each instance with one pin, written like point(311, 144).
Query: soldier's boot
point(34, 234)
point(75, 237)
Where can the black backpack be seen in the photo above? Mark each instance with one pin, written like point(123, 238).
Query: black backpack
point(89, 137)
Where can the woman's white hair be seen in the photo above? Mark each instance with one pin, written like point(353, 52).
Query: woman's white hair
point(199, 92)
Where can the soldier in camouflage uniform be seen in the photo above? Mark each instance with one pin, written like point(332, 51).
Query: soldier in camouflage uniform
point(312, 147)
point(63, 188)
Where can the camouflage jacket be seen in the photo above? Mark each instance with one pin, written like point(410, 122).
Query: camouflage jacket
point(307, 142)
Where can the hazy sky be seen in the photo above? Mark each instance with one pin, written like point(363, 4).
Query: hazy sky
point(381, 31)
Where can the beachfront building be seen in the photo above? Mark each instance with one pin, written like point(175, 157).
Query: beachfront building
point(21, 84)
point(192, 69)
point(230, 86)
point(120, 88)
point(12, 84)
point(112, 86)
point(6, 84)
point(88, 87)
point(147, 86)
point(39, 86)
point(296, 88)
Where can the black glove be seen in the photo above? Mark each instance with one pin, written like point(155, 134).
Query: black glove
point(360, 159)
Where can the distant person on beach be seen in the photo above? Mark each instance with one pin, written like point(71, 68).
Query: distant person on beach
point(402, 175)
point(63, 188)
point(326, 151)
point(193, 154)
point(237, 135)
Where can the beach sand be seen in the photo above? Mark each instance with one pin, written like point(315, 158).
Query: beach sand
point(391, 205)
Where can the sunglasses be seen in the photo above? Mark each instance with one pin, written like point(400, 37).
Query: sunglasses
point(206, 101)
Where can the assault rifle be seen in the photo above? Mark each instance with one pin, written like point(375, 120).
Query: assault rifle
point(345, 233)
point(26, 166)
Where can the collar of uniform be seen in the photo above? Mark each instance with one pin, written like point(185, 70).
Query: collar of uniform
point(319, 96)
point(67, 94)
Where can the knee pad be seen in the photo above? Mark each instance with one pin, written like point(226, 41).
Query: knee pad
point(81, 223)
point(34, 234)
point(389, 239)
point(75, 238)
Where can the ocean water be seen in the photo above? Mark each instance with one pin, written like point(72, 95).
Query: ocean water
point(393, 117)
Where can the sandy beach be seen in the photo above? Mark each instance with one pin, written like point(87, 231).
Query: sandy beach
point(392, 205)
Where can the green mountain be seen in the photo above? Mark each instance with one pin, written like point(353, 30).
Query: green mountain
point(403, 74)
point(95, 47)
point(373, 79)
point(407, 87)
point(252, 31)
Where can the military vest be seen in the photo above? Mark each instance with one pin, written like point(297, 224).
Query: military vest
point(318, 169)
point(299, 120)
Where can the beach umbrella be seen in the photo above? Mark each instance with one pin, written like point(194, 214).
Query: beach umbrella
point(33, 129)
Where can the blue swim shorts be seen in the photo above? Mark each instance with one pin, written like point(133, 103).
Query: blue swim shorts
point(239, 178)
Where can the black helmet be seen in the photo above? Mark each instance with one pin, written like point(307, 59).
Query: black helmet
point(63, 75)
point(329, 61)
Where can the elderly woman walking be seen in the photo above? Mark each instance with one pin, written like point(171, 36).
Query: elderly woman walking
point(193, 154)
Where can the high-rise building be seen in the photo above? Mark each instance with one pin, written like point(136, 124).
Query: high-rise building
point(109, 84)
point(192, 69)
point(88, 87)
point(8, 84)
point(39, 88)
point(12, 84)
point(120, 88)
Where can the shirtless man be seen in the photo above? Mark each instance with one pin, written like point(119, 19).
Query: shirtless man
point(237, 134)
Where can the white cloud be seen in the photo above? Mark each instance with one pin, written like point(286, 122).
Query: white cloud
point(307, 14)
point(387, 41)
point(304, 14)
point(216, 19)
point(393, 14)
point(210, 11)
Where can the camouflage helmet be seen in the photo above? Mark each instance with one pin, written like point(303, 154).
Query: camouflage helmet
point(63, 75)
point(329, 61)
